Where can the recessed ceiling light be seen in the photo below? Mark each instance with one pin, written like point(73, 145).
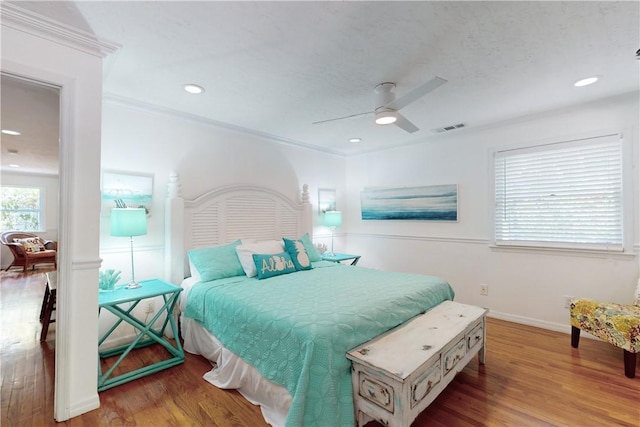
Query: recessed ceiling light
point(191, 88)
point(355, 139)
point(10, 132)
point(13, 165)
point(585, 82)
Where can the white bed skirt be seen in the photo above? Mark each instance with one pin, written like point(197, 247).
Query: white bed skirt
point(231, 372)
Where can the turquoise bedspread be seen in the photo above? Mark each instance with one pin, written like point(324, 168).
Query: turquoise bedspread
point(296, 328)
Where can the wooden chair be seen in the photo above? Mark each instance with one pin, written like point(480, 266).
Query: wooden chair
point(618, 324)
point(48, 304)
point(29, 250)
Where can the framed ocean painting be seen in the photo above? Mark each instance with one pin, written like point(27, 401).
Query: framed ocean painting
point(135, 190)
point(326, 200)
point(427, 203)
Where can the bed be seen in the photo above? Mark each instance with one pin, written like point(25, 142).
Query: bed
point(280, 340)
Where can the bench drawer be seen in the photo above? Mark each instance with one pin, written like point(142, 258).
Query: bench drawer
point(454, 355)
point(476, 337)
point(423, 385)
point(376, 391)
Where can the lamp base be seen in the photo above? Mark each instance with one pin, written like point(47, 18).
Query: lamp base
point(133, 285)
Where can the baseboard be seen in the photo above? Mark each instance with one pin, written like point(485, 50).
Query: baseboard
point(84, 406)
point(117, 342)
point(550, 326)
point(128, 339)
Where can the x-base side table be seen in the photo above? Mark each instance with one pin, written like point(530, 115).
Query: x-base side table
point(113, 301)
point(338, 257)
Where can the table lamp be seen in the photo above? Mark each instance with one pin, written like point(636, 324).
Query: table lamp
point(129, 222)
point(332, 219)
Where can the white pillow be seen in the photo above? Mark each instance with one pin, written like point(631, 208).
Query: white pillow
point(193, 270)
point(245, 253)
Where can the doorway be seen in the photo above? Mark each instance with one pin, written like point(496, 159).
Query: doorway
point(30, 147)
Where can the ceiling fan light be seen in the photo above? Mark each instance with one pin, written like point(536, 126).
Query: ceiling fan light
point(386, 117)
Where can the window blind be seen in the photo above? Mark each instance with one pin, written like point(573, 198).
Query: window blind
point(561, 195)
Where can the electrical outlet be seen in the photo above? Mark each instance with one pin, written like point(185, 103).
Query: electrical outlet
point(567, 301)
point(484, 289)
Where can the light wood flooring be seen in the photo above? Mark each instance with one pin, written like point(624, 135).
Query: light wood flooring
point(533, 377)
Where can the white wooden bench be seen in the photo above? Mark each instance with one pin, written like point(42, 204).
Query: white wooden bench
point(397, 375)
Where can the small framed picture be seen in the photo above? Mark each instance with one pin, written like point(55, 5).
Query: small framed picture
point(326, 200)
point(133, 189)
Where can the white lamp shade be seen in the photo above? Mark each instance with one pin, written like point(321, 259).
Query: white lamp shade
point(127, 222)
point(333, 218)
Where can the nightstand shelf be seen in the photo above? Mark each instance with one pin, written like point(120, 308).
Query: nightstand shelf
point(339, 257)
point(146, 335)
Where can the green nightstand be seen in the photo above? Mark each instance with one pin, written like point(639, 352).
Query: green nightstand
point(338, 257)
point(112, 302)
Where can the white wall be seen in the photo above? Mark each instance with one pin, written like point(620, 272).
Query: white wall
point(49, 186)
point(525, 286)
point(27, 52)
point(142, 140)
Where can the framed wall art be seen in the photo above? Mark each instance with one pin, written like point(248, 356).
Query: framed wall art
point(135, 190)
point(326, 200)
point(429, 202)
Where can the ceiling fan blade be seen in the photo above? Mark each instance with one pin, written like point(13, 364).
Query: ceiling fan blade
point(417, 93)
point(342, 118)
point(403, 123)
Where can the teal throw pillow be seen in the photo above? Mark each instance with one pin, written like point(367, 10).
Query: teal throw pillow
point(269, 265)
point(298, 253)
point(216, 262)
point(313, 253)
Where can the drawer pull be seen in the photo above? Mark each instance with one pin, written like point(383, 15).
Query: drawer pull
point(455, 360)
point(476, 339)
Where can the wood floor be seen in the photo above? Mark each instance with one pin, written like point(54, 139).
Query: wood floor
point(533, 377)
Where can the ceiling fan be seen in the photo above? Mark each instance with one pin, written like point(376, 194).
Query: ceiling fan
point(386, 106)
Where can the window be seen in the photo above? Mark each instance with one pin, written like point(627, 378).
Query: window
point(21, 209)
point(565, 195)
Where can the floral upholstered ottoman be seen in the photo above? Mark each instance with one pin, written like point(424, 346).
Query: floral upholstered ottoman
point(618, 324)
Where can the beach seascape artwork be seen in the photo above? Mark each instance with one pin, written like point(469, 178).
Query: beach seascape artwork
point(431, 203)
point(136, 191)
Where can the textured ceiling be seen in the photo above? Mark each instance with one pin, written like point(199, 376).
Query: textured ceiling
point(33, 109)
point(275, 67)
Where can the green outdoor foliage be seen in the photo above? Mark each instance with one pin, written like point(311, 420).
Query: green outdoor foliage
point(20, 209)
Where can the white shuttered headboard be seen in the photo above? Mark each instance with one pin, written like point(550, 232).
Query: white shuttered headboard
point(226, 214)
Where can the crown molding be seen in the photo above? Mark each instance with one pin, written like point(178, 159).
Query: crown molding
point(137, 105)
point(24, 20)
